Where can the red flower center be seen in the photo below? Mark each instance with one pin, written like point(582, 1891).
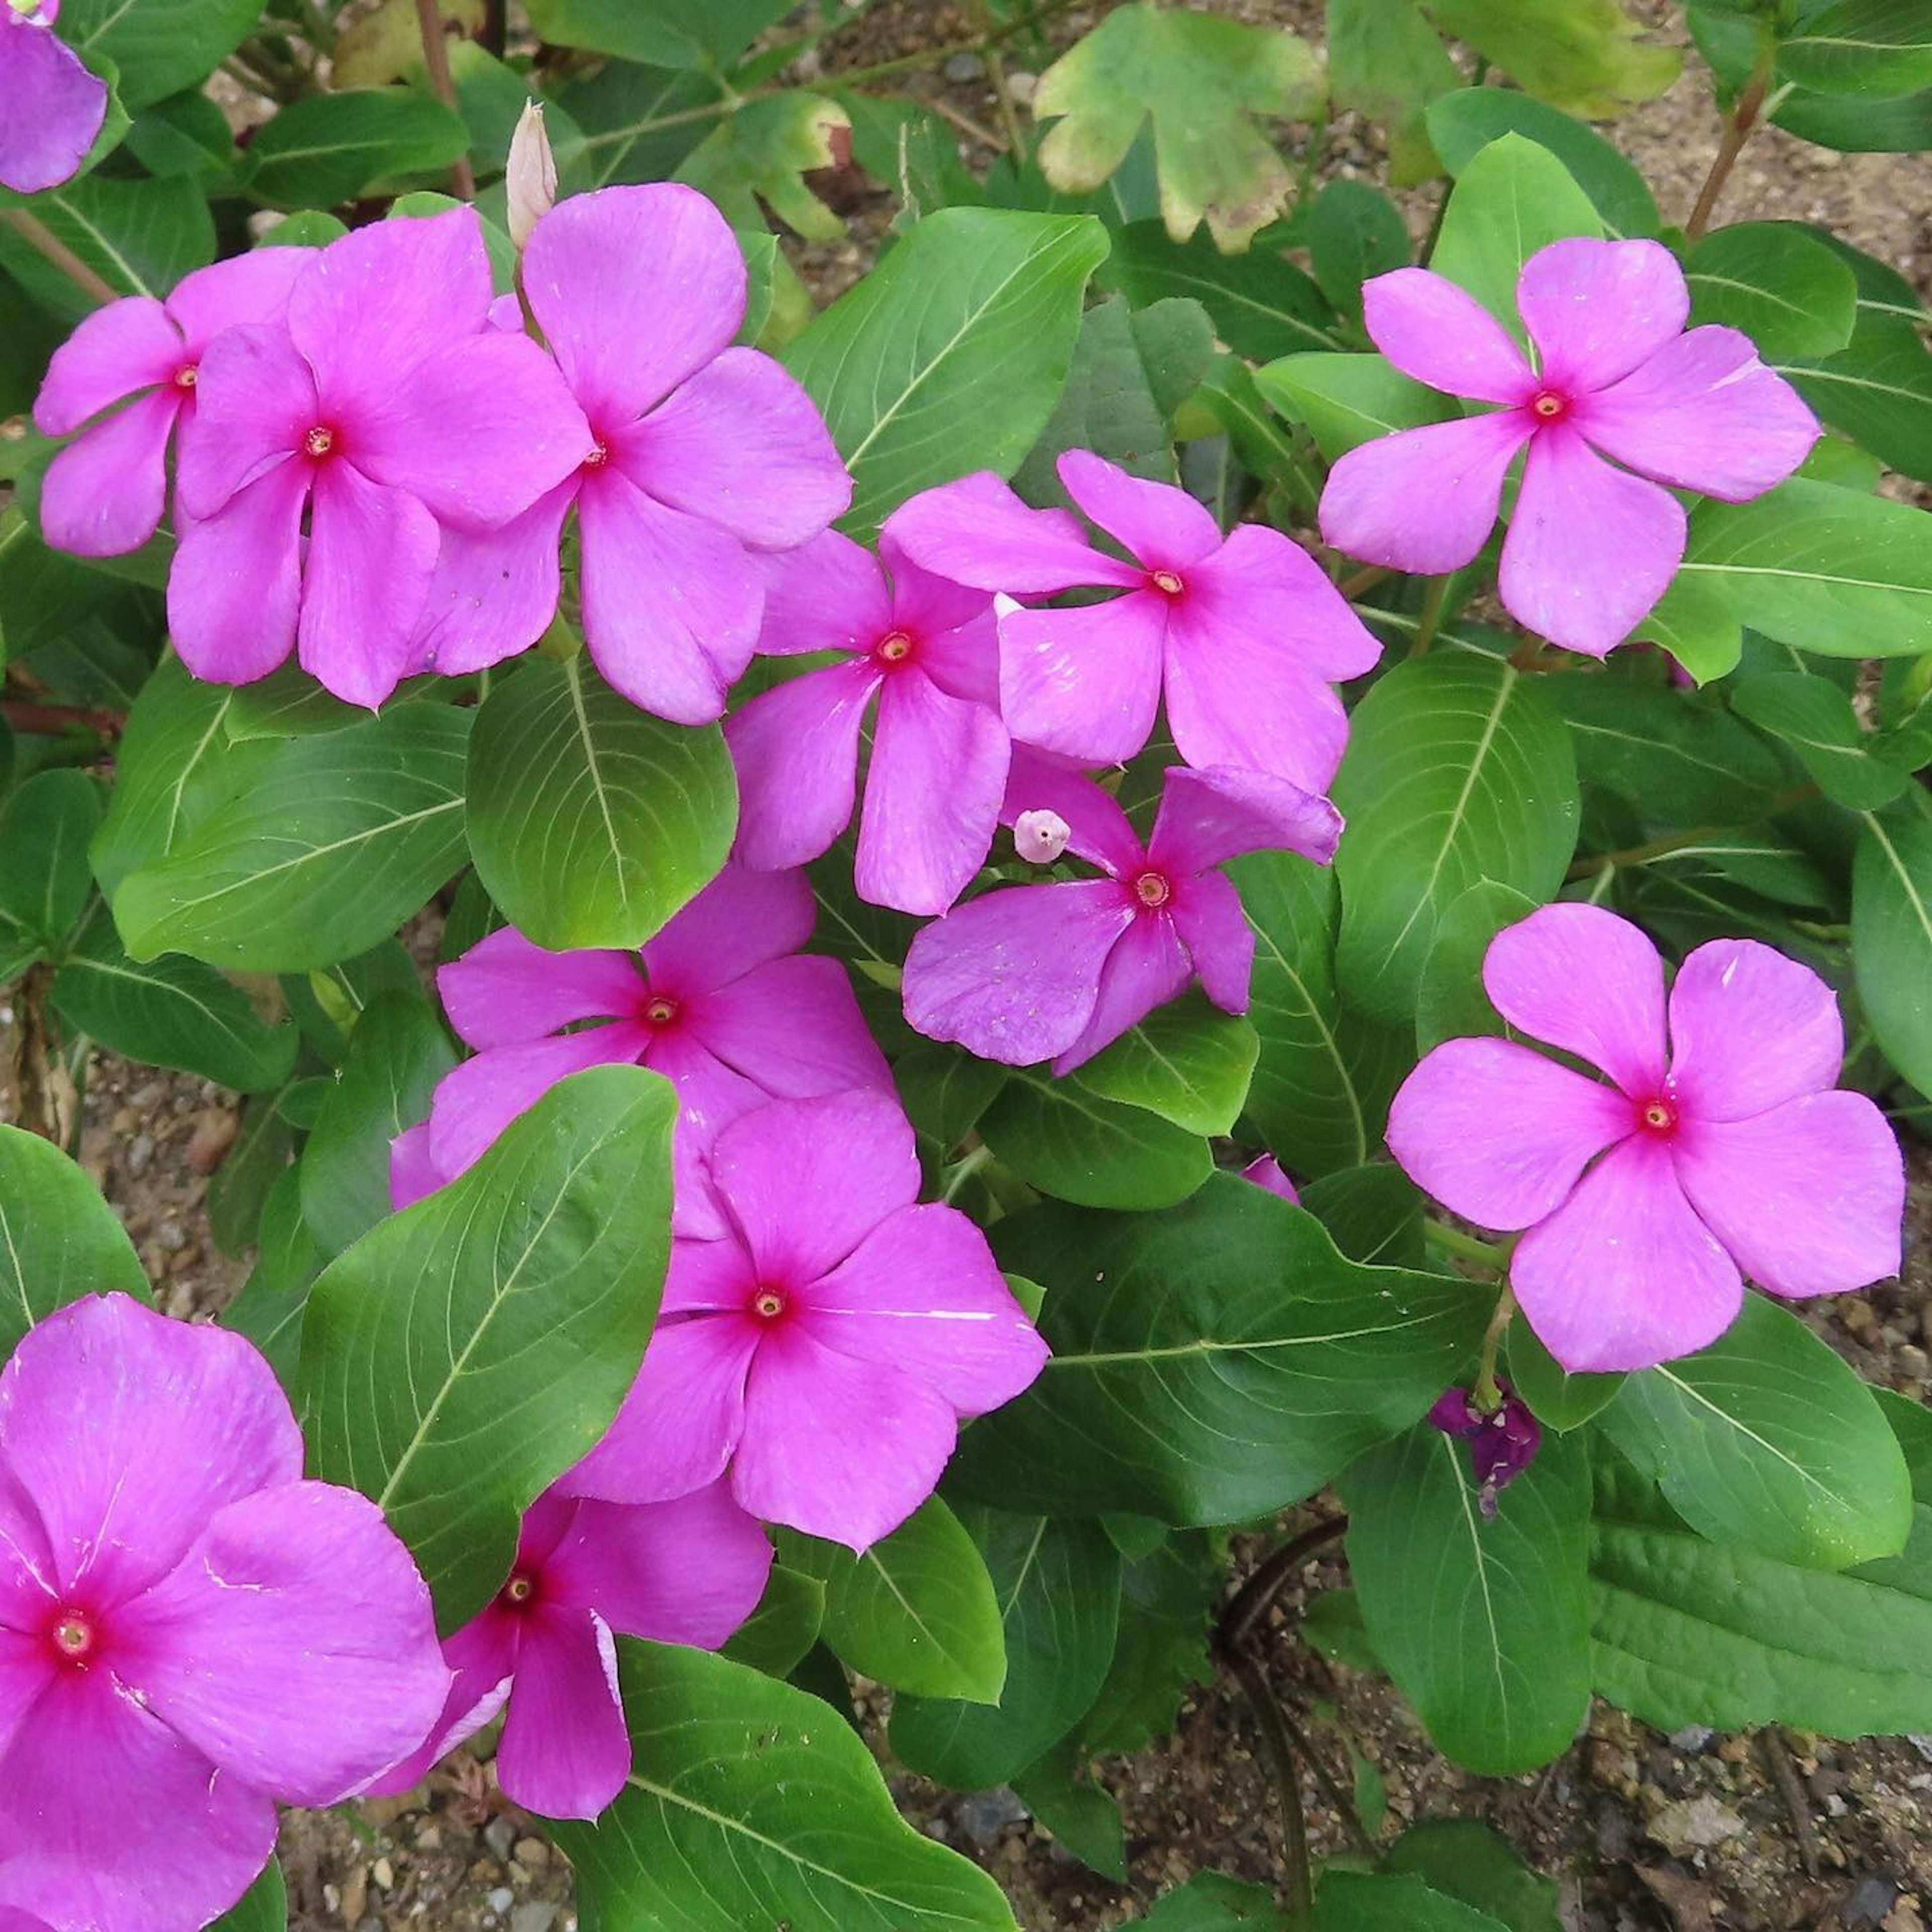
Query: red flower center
point(74, 1636)
point(768, 1304)
point(600, 455)
point(320, 441)
point(520, 1590)
point(661, 1011)
point(1168, 582)
point(894, 648)
point(1152, 889)
point(1658, 1116)
point(1549, 406)
point(185, 376)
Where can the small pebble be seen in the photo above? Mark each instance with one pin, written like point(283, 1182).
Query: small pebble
point(140, 1152)
point(962, 68)
point(536, 1916)
point(499, 1834)
point(533, 1852)
point(1693, 1738)
point(1020, 85)
point(500, 1900)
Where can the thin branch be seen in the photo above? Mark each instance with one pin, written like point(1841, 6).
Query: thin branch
point(436, 59)
point(53, 720)
point(39, 236)
point(1679, 842)
point(1287, 1784)
point(1737, 125)
point(1250, 1603)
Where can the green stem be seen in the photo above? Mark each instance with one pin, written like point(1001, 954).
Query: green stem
point(1465, 1247)
point(1433, 600)
point(1486, 1396)
point(968, 1165)
point(39, 236)
point(1679, 841)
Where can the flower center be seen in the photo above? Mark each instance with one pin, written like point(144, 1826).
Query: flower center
point(600, 455)
point(320, 440)
point(1549, 406)
point(74, 1636)
point(1168, 582)
point(768, 1304)
point(1152, 889)
point(661, 1011)
point(894, 648)
point(185, 376)
point(519, 1589)
point(1658, 1116)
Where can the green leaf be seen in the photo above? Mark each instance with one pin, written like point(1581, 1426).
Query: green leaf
point(140, 237)
point(1587, 56)
point(1373, 1215)
point(45, 825)
point(263, 1907)
point(778, 1634)
point(1261, 305)
point(1816, 719)
point(618, 133)
point(1450, 1003)
point(185, 134)
point(1557, 1399)
point(760, 151)
point(1212, 1902)
point(1058, 1589)
point(1200, 80)
point(465, 1353)
point(1790, 293)
point(1169, 1599)
point(1066, 1140)
point(332, 148)
point(328, 1003)
point(1767, 1439)
point(708, 34)
point(269, 1309)
point(749, 1803)
point(592, 822)
point(1187, 1061)
point(1458, 769)
point(1697, 623)
point(1463, 1859)
point(1878, 49)
point(385, 43)
point(1080, 1815)
point(331, 843)
point(237, 1195)
point(1347, 400)
point(1483, 1624)
point(169, 1012)
point(59, 1239)
point(1355, 232)
point(949, 357)
point(1387, 61)
point(944, 1090)
point(1351, 1901)
point(160, 47)
point(1212, 1364)
point(1892, 940)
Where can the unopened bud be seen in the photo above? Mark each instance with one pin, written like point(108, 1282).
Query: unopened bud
point(531, 182)
point(1266, 1172)
point(1040, 837)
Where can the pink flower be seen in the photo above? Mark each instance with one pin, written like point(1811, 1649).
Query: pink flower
point(1503, 1441)
point(687, 1571)
point(1264, 1170)
point(721, 1002)
point(104, 494)
point(1716, 1147)
point(701, 456)
point(928, 652)
point(824, 1347)
point(51, 107)
point(1057, 971)
point(1244, 634)
point(386, 404)
point(1591, 547)
point(188, 1630)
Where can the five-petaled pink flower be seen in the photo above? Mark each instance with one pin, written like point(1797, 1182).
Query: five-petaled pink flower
point(385, 406)
point(689, 1570)
point(1719, 1145)
point(1591, 547)
point(929, 652)
point(701, 456)
point(1244, 634)
point(188, 1630)
point(1057, 971)
point(824, 1348)
point(51, 107)
point(104, 494)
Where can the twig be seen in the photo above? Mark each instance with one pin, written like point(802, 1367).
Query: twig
point(996, 72)
point(33, 1058)
point(1486, 1396)
point(1679, 841)
point(39, 236)
point(1784, 1775)
point(52, 720)
point(436, 59)
point(1737, 125)
point(1288, 1782)
point(1353, 586)
point(978, 129)
point(1249, 1604)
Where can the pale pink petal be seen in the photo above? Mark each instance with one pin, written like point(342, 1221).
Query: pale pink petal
point(476, 1101)
point(51, 107)
point(1163, 526)
point(827, 594)
point(1808, 1198)
point(413, 1173)
point(740, 920)
point(1704, 414)
point(1590, 548)
point(1749, 1029)
point(506, 988)
point(1013, 976)
point(102, 495)
point(1207, 817)
point(1423, 500)
point(565, 1751)
point(494, 592)
point(129, 345)
point(1209, 921)
point(483, 1657)
point(255, 403)
point(1597, 309)
point(1579, 977)
point(1098, 829)
point(1267, 584)
point(796, 748)
point(1084, 683)
point(978, 532)
point(235, 587)
point(249, 287)
point(926, 604)
point(1148, 968)
point(793, 1027)
point(1440, 334)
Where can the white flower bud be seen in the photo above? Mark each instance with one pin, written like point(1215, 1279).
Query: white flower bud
point(1040, 837)
point(532, 179)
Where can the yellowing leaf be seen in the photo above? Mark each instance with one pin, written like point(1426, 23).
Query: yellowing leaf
point(387, 44)
point(1587, 57)
point(759, 155)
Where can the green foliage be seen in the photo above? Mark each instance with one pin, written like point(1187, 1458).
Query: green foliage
point(1512, 199)
point(1891, 939)
point(334, 147)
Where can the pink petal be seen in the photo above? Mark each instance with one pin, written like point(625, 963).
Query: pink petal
point(1423, 500)
point(1623, 1275)
point(250, 287)
point(1808, 1198)
point(478, 1099)
point(978, 532)
point(1099, 830)
point(836, 1446)
point(255, 402)
point(793, 1027)
point(671, 603)
point(494, 592)
point(826, 594)
point(129, 345)
point(932, 796)
point(129, 1431)
point(1266, 584)
point(1590, 548)
point(565, 1751)
point(1264, 1170)
point(51, 108)
point(234, 585)
point(796, 748)
point(1209, 921)
point(964, 661)
point(483, 1657)
point(708, 1277)
point(27, 1668)
point(1499, 1134)
point(1013, 976)
point(709, 1096)
point(1084, 683)
point(371, 554)
point(1704, 414)
point(1597, 309)
point(1148, 968)
point(1579, 977)
point(1440, 334)
point(102, 495)
point(413, 1173)
point(1207, 817)
point(1162, 526)
point(507, 989)
point(1749, 1029)
point(922, 1293)
point(927, 605)
point(740, 920)
point(636, 289)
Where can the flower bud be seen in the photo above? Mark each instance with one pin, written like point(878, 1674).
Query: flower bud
point(531, 182)
point(1040, 837)
point(1503, 1442)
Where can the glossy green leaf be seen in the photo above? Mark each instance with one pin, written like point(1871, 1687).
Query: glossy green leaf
point(185, 134)
point(160, 47)
point(1383, 1901)
point(1212, 1902)
point(1876, 49)
point(1700, 626)
point(1261, 305)
point(140, 237)
point(760, 154)
point(1892, 940)
point(1373, 1214)
point(250, 1172)
point(1557, 1399)
point(1588, 56)
point(270, 1307)
point(1450, 1003)
point(1169, 1599)
point(1355, 233)
point(1066, 1140)
point(1463, 1859)
point(1790, 293)
point(330, 148)
point(45, 825)
point(708, 34)
point(1387, 61)
point(263, 1907)
point(779, 1632)
point(1187, 1061)
point(1816, 719)
point(1080, 1815)
point(1347, 400)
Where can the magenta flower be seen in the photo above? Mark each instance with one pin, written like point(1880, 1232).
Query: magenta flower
point(1591, 547)
point(104, 494)
point(188, 1630)
point(1057, 971)
point(51, 107)
point(1716, 1147)
point(689, 1570)
point(824, 1348)
point(1503, 1441)
point(721, 1003)
point(1245, 634)
point(386, 404)
point(1264, 1170)
point(929, 652)
point(702, 456)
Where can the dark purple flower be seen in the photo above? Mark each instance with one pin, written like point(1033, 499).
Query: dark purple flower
point(1503, 1441)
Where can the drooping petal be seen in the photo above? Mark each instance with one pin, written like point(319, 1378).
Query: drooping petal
point(1498, 1133)
point(482, 1657)
point(1265, 584)
point(566, 1751)
point(413, 1173)
point(507, 989)
point(1161, 524)
point(1704, 414)
point(129, 1431)
point(827, 594)
point(255, 403)
point(1013, 976)
point(129, 345)
point(1098, 830)
point(796, 749)
point(1209, 921)
point(494, 592)
point(793, 1027)
point(1084, 683)
point(1597, 309)
point(636, 289)
point(51, 108)
point(1590, 548)
point(1440, 334)
point(1148, 968)
point(102, 495)
point(1579, 977)
point(1208, 816)
point(1749, 1029)
point(836, 1446)
point(1424, 499)
point(1808, 1198)
point(253, 286)
point(977, 531)
point(235, 587)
